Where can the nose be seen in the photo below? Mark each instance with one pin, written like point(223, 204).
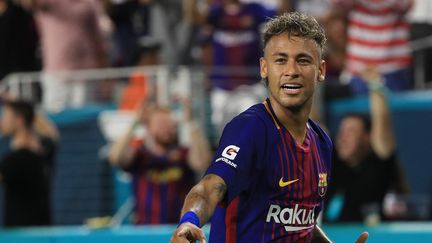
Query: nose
point(291, 69)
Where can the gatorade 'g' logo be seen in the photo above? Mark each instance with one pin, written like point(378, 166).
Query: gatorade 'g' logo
point(230, 152)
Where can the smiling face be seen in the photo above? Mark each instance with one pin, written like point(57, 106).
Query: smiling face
point(292, 65)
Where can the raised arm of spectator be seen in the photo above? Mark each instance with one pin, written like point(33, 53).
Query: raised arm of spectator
point(43, 126)
point(121, 152)
point(199, 152)
point(382, 136)
point(193, 14)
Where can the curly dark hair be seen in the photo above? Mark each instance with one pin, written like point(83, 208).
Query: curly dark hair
point(296, 24)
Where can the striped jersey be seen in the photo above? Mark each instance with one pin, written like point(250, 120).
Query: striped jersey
point(160, 184)
point(236, 44)
point(378, 34)
point(275, 187)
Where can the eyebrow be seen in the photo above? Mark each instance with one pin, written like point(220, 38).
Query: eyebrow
point(301, 54)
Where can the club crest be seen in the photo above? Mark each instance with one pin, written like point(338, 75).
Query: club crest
point(322, 184)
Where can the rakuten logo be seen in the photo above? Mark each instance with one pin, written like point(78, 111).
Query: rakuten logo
point(302, 218)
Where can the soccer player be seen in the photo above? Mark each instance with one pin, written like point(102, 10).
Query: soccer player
point(271, 170)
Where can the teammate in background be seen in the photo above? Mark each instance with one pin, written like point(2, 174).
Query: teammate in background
point(366, 167)
point(272, 167)
point(163, 171)
point(26, 168)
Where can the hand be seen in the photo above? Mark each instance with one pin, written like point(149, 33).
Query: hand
point(371, 74)
point(188, 232)
point(5, 96)
point(142, 111)
point(187, 109)
point(362, 238)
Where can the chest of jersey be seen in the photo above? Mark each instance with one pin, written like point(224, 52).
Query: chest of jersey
point(296, 173)
point(296, 177)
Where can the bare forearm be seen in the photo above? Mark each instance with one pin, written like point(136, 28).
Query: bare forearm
point(199, 149)
point(43, 126)
point(120, 150)
point(382, 135)
point(318, 236)
point(204, 197)
point(192, 14)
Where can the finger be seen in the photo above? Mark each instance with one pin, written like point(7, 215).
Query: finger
point(202, 237)
point(183, 232)
point(175, 239)
point(362, 238)
point(197, 234)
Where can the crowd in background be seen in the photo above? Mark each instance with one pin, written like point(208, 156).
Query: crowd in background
point(368, 52)
point(91, 34)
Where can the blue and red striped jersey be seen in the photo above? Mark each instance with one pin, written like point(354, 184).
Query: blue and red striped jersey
point(160, 184)
point(275, 187)
point(236, 43)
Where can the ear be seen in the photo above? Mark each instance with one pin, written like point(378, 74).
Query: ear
point(263, 68)
point(322, 71)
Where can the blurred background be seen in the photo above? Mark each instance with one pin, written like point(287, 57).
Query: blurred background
point(111, 110)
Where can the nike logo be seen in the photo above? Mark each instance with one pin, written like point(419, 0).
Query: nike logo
point(286, 183)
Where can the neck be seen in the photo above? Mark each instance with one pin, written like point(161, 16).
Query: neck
point(23, 138)
point(292, 119)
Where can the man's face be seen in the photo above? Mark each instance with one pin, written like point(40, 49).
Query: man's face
point(352, 140)
point(162, 128)
point(292, 65)
point(8, 121)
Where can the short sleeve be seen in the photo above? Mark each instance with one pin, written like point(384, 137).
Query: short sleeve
point(236, 157)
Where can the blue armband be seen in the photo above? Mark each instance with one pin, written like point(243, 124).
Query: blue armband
point(190, 217)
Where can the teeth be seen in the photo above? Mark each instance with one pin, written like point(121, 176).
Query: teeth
point(291, 86)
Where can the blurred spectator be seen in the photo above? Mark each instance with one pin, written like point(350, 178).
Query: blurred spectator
point(131, 20)
point(162, 170)
point(378, 34)
point(18, 39)
point(138, 88)
point(335, 25)
point(270, 4)
point(232, 31)
point(26, 169)
point(169, 21)
point(366, 166)
point(421, 27)
point(317, 8)
point(72, 37)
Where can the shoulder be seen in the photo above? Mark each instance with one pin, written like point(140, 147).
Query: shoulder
point(248, 128)
point(251, 118)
